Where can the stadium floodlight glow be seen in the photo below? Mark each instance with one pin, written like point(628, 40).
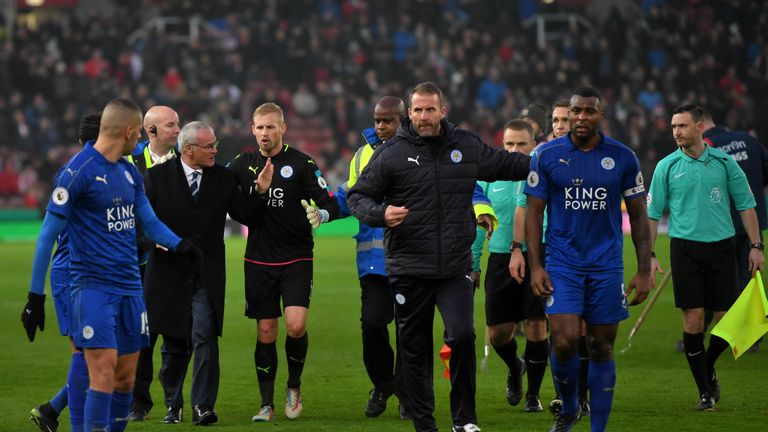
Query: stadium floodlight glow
point(35, 3)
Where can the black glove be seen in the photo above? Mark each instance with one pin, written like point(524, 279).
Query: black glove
point(33, 314)
point(145, 244)
point(193, 253)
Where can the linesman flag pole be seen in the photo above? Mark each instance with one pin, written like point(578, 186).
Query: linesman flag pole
point(647, 309)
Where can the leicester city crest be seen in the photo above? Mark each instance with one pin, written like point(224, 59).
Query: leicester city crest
point(456, 156)
point(286, 171)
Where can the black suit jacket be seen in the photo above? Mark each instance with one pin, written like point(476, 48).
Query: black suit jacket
point(169, 281)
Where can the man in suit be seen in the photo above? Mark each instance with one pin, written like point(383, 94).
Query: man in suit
point(193, 194)
point(161, 123)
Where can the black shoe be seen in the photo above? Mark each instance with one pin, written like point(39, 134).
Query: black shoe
point(514, 391)
point(43, 416)
point(714, 386)
point(203, 416)
point(138, 413)
point(565, 423)
point(533, 404)
point(173, 416)
point(377, 403)
point(584, 404)
point(706, 402)
point(404, 415)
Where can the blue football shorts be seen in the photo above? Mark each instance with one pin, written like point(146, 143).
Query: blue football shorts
point(597, 297)
point(106, 320)
point(61, 298)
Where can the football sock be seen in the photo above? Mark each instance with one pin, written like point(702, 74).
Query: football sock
point(697, 361)
point(508, 354)
point(536, 362)
point(584, 371)
point(716, 347)
point(121, 406)
point(602, 380)
point(265, 358)
point(566, 376)
point(97, 410)
point(296, 352)
point(59, 401)
point(78, 382)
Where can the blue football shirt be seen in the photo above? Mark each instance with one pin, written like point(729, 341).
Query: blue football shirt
point(583, 192)
point(98, 197)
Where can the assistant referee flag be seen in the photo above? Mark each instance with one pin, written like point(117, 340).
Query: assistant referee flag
point(747, 320)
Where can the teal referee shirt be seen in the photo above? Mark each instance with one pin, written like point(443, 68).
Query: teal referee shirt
point(697, 193)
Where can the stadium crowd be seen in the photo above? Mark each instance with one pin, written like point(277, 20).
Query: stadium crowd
point(327, 62)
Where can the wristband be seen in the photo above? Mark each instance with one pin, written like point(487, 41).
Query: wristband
point(516, 245)
point(758, 245)
point(653, 254)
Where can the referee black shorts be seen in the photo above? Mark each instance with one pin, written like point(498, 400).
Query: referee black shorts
point(265, 285)
point(704, 275)
point(505, 299)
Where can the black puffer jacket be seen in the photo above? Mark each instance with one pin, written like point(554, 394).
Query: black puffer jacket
point(434, 179)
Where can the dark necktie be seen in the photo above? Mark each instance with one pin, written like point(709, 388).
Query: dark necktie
point(193, 186)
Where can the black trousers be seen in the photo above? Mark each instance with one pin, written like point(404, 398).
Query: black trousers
point(204, 344)
point(142, 400)
point(415, 301)
point(377, 311)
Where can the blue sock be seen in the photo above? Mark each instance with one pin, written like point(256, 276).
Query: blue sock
point(121, 405)
point(97, 410)
point(78, 382)
point(602, 379)
point(59, 402)
point(566, 376)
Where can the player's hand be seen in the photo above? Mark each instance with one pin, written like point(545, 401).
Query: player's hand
point(394, 215)
point(517, 265)
point(540, 282)
point(475, 276)
point(756, 260)
point(262, 182)
point(486, 222)
point(145, 244)
point(655, 267)
point(33, 315)
point(192, 252)
point(315, 216)
point(641, 285)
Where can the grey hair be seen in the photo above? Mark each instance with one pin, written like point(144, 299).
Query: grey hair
point(189, 133)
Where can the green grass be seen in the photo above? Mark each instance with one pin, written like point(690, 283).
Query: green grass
point(654, 391)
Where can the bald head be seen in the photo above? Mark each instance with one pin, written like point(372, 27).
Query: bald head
point(387, 114)
point(162, 126)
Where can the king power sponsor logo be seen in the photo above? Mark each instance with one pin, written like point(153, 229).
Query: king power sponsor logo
point(120, 217)
point(585, 198)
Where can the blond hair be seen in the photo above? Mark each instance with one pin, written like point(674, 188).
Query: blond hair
point(268, 108)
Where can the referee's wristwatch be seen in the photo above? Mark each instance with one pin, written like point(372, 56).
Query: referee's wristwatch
point(758, 245)
point(515, 245)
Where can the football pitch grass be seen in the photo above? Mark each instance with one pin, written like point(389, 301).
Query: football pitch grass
point(654, 389)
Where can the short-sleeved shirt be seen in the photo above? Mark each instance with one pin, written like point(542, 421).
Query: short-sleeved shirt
point(697, 193)
point(583, 193)
point(98, 198)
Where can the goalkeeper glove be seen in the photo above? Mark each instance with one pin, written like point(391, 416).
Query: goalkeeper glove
point(315, 216)
point(33, 315)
